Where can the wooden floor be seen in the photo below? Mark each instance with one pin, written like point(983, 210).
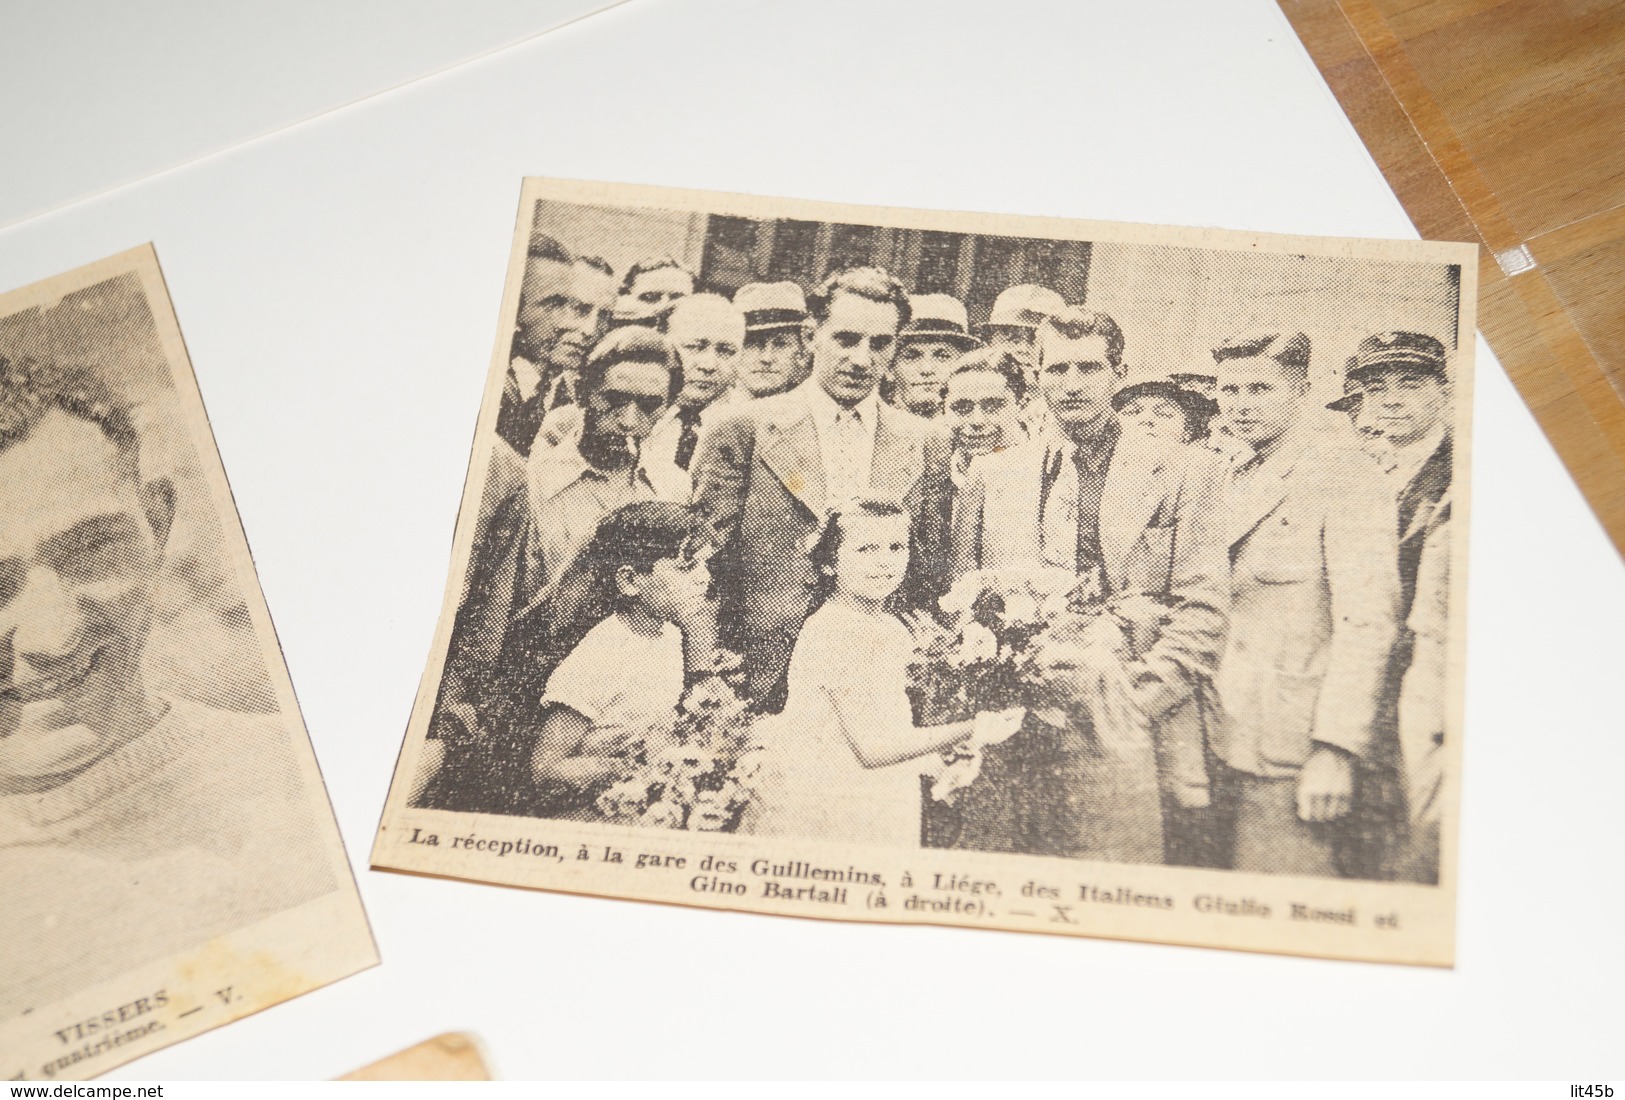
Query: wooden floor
point(1503, 122)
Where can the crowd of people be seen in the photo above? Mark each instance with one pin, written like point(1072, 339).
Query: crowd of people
point(797, 474)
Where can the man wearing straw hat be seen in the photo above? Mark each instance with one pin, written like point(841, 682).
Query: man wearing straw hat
point(776, 359)
point(929, 347)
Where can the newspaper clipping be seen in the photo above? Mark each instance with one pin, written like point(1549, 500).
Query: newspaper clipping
point(1006, 572)
point(169, 859)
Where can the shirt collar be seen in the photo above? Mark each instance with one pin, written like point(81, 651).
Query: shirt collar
point(557, 467)
point(1096, 453)
point(1410, 457)
point(526, 376)
point(825, 408)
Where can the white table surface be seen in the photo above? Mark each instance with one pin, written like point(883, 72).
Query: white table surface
point(338, 284)
point(99, 94)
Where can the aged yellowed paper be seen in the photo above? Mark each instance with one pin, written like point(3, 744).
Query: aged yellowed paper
point(169, 859)
point(1007, 572)
point(449, 1057)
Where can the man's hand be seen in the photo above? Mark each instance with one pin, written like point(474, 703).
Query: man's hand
point(1326, 785)
point(1058, 671)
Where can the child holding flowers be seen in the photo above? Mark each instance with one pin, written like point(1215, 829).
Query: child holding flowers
point(840, 756)
point(611, 624)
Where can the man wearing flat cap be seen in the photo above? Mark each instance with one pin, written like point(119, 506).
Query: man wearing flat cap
point(1314, 596)
point(1405, 395)
point(776, 358)
point(928, 349)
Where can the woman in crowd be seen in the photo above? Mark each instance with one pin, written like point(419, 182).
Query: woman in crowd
point(1153, 406)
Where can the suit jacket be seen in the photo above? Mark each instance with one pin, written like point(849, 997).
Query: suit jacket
point(1160, 533)
point(1422, 701)
point(1314, 609)
point(519, 417)
point(485, 768)
point(759, 482)
point(496, 584)
point(1420, 501)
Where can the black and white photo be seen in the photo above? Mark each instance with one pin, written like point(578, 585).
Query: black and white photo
point(1066, 554)
point(158, 799)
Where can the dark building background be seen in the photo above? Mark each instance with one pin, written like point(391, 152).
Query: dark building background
point(973, 267)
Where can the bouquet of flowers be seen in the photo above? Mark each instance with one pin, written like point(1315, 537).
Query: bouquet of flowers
point(1047, 640)
point(974, 658)
point(701, 775)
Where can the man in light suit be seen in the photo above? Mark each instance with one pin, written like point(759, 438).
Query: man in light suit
point(1313, 620)
point(1137, 517)
point(766, 477)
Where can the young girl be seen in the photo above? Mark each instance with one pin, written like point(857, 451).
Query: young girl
point(614, 615)
point(840, 754)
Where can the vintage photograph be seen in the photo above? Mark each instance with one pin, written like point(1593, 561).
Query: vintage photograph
point(941, 567)
point(164, 833)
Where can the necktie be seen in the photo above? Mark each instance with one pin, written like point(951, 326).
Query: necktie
point(1090, 487)
point(846, 480)
point(563, 393)
point(689, 438)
